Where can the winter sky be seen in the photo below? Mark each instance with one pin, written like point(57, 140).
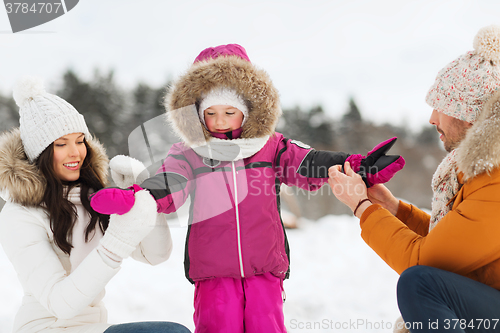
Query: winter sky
point(384, 53)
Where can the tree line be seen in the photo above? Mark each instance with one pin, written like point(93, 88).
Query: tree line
point(132, 122)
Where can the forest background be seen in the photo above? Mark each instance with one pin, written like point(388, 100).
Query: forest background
point(131, 122)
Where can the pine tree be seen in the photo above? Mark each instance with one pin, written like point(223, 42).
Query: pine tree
point(352, 115)
point(9, 113)
point(352, 129)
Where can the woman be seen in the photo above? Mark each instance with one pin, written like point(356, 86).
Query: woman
point(64, 252)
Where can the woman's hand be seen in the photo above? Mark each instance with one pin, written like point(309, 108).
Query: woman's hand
point(349, 188)
point(379, 194)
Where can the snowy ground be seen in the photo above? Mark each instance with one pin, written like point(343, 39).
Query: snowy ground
point(337, 283)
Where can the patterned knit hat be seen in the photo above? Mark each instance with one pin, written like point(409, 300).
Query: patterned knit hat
point(462, 87)
point(44, 117)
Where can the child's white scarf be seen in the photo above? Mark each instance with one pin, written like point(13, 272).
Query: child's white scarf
point(230, 150)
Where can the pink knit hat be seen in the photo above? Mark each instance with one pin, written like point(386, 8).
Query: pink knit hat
point(222, 50)
point(464, 85)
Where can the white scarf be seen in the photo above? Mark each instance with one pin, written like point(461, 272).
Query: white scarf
point(444, 187)
point(230, 150)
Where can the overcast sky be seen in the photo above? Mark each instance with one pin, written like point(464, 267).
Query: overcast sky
point(384, 53)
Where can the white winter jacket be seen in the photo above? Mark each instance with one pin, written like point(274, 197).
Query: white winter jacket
point(57, 298)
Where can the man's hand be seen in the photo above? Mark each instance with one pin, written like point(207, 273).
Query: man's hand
point(379, 194)
point(349, 188)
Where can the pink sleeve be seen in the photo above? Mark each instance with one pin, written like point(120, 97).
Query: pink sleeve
point(172, 183)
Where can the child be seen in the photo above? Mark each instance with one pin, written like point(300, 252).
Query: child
point(236, 252)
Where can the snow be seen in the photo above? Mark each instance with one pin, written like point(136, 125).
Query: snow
point(337, 283)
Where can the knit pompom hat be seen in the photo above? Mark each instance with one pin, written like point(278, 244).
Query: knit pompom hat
point(464, 85)
point(44, 117)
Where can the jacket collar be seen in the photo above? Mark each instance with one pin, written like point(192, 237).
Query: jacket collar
point(479, 152)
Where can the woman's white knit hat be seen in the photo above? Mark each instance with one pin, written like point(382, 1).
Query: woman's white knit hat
point(222, 96)
point(44, 117)
point(464, 85)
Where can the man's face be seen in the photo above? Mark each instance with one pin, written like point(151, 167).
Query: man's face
point(452, 130)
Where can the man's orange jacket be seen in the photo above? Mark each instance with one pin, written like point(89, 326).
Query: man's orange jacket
point(466, 241)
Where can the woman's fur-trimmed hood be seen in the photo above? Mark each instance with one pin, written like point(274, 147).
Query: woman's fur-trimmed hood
point(479, 152)
point(22, 180)
point(253, 84)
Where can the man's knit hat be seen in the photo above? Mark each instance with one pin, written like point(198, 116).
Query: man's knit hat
point(462, 87)
point(44, 117)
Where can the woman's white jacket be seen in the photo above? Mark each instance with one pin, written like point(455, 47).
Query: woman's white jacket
point(57, 298)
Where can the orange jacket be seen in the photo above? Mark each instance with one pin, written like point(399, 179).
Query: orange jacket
point(466, 241)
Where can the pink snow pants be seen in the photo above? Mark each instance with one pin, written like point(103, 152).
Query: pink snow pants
point(249, 305)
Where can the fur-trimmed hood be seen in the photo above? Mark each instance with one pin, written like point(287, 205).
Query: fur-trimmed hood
point(251, 83)
point(479, 152)
point(22, 181)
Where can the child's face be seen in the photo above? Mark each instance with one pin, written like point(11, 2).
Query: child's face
point(223, 118)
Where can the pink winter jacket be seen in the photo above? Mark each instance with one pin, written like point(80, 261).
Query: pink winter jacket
point(235, 228)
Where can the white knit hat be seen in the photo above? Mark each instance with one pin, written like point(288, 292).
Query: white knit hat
point(464, 85)
point(222, 96)
point(44, 117)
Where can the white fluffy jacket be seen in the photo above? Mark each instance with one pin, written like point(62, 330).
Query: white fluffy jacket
point(57, 297)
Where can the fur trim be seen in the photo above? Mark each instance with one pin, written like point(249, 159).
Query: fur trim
point(22, 180)
point(479, 152)
point(253, 84)
point(100, 160)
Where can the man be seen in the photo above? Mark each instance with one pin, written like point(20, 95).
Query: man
point(449, 261)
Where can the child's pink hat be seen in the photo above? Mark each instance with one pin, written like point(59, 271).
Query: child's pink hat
point(222, 95)
point(222, 50)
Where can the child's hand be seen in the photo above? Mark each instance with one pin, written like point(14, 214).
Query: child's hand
point(377, 167)
point(114, 200)
point(126, 231)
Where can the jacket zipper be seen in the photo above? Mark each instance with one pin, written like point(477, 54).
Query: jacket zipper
point(240, 256)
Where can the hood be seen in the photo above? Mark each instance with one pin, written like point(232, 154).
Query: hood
point(251, 83)
point(479, 152)
point(22, 180)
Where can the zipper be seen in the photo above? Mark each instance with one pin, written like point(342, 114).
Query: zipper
point(240, 256)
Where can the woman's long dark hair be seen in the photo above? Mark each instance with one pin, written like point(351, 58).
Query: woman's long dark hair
point(62, 213)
